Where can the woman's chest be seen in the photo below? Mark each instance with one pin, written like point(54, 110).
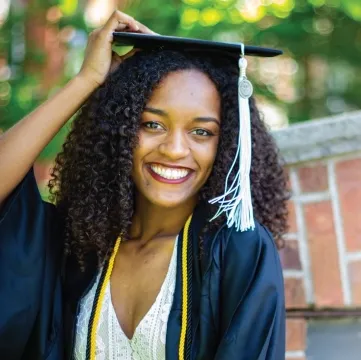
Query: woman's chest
point(126, 333)
point(137, 283)
point(111, 342)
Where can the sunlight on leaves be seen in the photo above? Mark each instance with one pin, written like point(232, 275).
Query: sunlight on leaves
point(68, 7)
point(225, 4)
point(282, 8)
point(235, 16)
point(353, 8)
point(189, 16)
point(210, 17)
point(194, 2)
point(317, 3)
point(253, 14)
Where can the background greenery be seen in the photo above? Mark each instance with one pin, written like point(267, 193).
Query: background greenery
point(42, 43)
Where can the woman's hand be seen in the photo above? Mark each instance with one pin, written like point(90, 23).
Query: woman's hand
point(99, 59)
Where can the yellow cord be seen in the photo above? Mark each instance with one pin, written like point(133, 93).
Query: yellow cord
point(100, 301)
point(184, 290)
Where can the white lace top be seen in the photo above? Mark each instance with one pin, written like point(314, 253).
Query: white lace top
point(148, 341)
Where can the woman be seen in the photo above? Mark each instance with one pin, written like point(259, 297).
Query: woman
point(144, 275)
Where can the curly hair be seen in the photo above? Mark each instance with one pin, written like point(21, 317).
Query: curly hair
point(91, 180)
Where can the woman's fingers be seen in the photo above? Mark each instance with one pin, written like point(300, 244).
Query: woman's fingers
point(120, 21)
point(99, 59)
point(144, 29)
point(123, 22)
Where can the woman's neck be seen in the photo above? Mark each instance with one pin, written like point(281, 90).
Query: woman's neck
point(151, 221)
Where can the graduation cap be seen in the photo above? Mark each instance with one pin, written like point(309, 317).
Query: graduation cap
point(236, 201)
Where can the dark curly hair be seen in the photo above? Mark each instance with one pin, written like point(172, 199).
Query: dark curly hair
point(91, 181)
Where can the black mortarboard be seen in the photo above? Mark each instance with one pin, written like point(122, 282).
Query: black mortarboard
point(236, 201)
point(148, 42)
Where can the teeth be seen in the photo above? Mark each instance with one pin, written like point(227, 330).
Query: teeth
point(168, 173)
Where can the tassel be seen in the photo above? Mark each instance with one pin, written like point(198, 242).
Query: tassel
point(236, 200)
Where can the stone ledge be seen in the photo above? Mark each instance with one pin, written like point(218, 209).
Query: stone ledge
point(320, 138)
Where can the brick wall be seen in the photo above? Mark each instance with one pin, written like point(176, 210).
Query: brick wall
point(322, 254)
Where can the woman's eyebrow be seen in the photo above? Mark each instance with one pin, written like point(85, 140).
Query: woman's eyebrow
point(198, 119)
point(207, 119)
point(155, 111)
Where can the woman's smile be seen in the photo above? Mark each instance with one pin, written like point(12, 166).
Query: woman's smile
point(169, 174)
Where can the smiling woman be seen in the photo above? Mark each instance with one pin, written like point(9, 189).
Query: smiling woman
point(178, 140)
point(126, 263)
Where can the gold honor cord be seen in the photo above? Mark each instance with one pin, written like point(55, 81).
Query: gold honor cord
point(104, 280)
point(184, 289)
point(93, 323)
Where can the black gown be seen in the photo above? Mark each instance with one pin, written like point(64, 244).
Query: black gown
point(237, 309)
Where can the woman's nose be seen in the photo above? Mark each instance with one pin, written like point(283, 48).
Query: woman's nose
point(174, 146)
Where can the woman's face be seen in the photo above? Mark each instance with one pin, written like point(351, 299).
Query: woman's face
point(178, 139)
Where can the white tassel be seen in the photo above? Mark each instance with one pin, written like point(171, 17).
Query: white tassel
point(238, 206)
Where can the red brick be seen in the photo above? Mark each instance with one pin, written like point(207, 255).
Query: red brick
point(355, 279)
point(313, 178)
point(294, 293)
point(324, 254)
point(292, 224)
point(296, 334)
point(287, 175)
point(289, 255)
point(348, 175)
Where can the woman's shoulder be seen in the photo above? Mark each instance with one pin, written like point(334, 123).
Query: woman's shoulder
point(244, 252)
point(25, 218)
point(233, 242)
point(26, 198)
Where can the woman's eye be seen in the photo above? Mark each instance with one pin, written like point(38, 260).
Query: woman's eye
point(152, 125)
point(202, 132)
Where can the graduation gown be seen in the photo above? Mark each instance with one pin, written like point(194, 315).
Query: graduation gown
point(236, 310)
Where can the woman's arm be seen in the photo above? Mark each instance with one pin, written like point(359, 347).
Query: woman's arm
point(22, 144)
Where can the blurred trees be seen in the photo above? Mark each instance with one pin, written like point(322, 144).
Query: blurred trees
point(317, 76)
point(41, 45)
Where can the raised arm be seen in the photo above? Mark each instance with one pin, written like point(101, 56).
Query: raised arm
point(22, 144)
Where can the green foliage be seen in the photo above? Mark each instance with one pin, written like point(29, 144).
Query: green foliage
point(309, 31)
point(319, 71)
